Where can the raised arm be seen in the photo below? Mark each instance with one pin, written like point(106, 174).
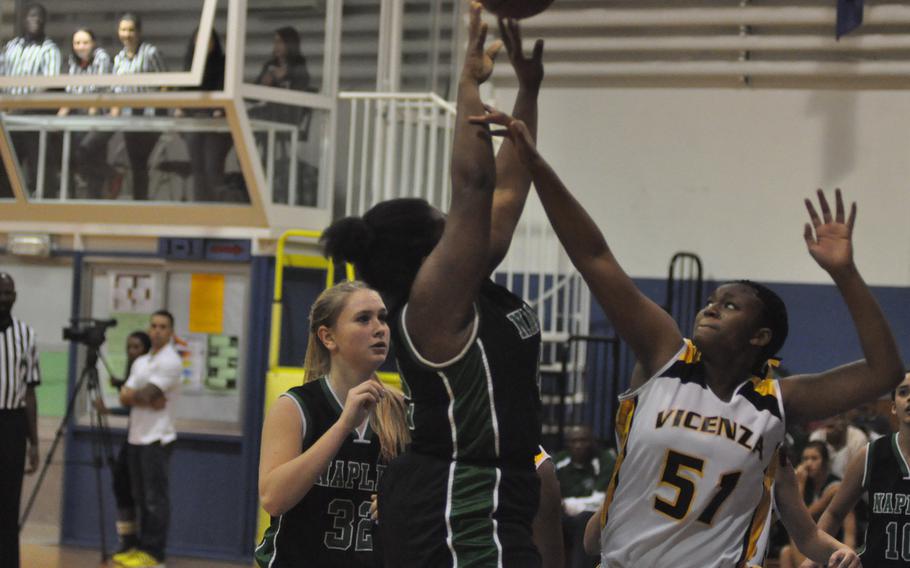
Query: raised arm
point(513, 181)
point(646, 327)
point(809, 539)
point(810, 397)
point(440, 309)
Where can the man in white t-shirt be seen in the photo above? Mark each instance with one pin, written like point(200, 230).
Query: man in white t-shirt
point(150, 390)
point(844, 441)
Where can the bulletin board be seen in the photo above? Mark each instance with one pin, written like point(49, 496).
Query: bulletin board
point(209, 302)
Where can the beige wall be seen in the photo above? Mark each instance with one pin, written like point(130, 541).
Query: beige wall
point(723, 173)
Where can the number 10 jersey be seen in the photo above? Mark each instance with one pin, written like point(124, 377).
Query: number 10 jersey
point(692, 483)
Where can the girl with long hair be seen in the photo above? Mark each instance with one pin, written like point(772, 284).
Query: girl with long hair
point(326, 443)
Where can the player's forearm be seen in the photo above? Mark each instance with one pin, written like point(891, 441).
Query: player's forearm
point(875, 336)
point(513, 181)
point(285, 485)
point(473, 165)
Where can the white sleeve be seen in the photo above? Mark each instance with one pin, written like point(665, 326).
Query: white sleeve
point(167, 375)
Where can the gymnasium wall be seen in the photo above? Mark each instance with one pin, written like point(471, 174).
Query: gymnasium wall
point(723, 173)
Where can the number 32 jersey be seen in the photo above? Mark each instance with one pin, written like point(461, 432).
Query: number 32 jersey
point(693, 479)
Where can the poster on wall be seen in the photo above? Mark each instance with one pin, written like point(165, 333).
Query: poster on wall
point(223, 357)
point(193, 349)
point(207, 303)
point(135, 292)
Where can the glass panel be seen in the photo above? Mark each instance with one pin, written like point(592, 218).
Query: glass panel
point(139, 154)
point(6, 188)
point(285, 42)
point(159, 34)
point(289, 142)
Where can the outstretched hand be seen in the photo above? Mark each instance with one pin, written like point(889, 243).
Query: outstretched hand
point(844, 558)
point(830, 239)
point(478, 62)
point(528, 70)
point(515, 130)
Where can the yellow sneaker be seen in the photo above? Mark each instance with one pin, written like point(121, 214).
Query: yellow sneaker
point(141, 559)
point(120, 557)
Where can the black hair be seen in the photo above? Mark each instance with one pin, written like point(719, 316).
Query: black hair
point(773, 316)
point(91, 34)
point(291, 39)
point(213, 73)
point(166, 314)
point(387, 245)
point(36, 6)
point(144, 339)
point(894, 390)
point(822, 449)
point(131, 17)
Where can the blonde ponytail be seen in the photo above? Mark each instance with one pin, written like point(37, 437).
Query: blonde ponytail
point(390, 422)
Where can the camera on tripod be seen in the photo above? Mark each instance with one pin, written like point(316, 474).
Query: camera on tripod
point(88, 331)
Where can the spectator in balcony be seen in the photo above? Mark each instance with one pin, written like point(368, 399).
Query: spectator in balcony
point(137, 56)
point(89, 158)
point(33, 54)
point(207, 150)
point(287, 68)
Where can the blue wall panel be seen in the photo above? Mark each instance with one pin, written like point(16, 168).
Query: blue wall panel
point(821, 331)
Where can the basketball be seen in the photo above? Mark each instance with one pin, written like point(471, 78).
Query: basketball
point(516, 9)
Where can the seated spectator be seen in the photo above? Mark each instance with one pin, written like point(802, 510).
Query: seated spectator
point(287, 68)
point(873, 423)
point(584, 473)
point(207, 150)
point(818, 486)
point(33, 54)
point(844, 441)
point(137, 56)
point(89, 156)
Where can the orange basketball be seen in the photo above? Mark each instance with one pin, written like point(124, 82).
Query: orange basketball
point(516, 8)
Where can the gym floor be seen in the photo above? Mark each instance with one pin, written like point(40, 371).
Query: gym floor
point(40, 537)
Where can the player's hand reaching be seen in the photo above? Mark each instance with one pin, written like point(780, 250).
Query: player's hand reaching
point(360, 402)
point(830, 239)
point(528, 70)
point(515, 130)
point(844, 558)
point(478, 62)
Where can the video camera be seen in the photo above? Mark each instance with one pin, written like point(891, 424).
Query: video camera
point(88, 331)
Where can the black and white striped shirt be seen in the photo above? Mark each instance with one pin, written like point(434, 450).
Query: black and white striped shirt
point(18, 364)
point(99, 65)
point(147, 59)
point(24, 58)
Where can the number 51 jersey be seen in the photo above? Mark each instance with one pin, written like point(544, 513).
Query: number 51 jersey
point(692, 482)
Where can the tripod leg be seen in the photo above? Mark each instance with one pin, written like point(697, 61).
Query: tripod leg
point(50, 453)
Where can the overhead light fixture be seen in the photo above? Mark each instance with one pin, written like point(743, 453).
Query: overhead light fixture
point(29, 245)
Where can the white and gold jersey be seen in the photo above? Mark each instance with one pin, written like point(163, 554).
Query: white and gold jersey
point(692, 482)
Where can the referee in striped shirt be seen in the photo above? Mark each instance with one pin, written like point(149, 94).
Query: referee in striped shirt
point(19, 375)
point(34, 54)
